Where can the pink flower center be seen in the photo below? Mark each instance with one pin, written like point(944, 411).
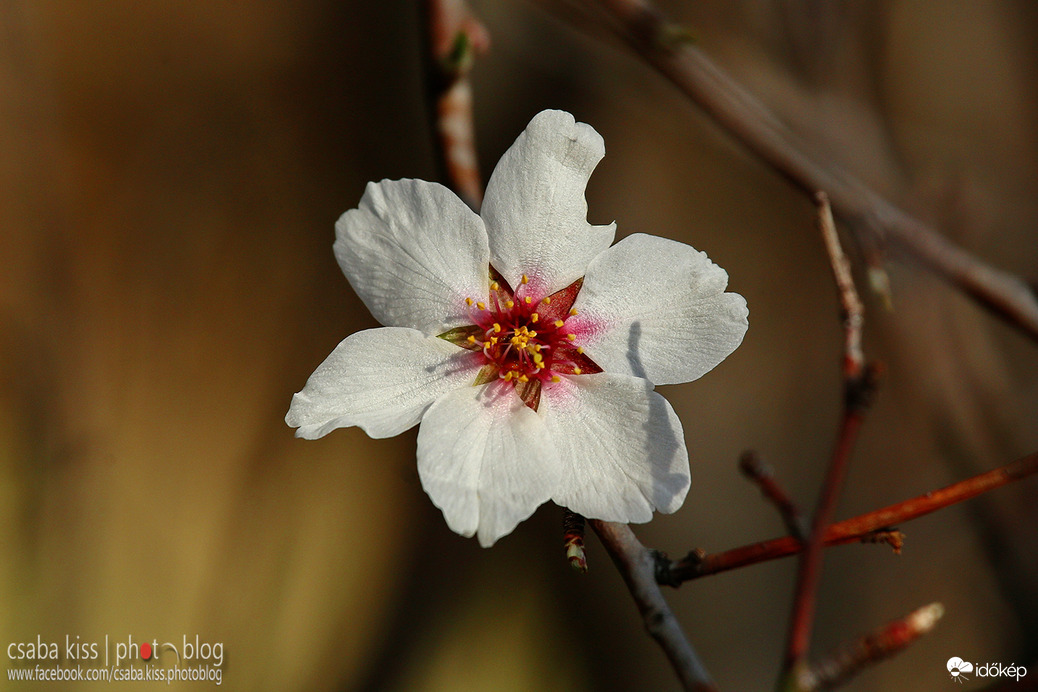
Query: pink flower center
point(524, 337)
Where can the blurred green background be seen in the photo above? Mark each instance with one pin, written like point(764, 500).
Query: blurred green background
point(170, 173)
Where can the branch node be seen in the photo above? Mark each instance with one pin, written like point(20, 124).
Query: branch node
point(858, 391)
point(892, 537)
point(663, 568)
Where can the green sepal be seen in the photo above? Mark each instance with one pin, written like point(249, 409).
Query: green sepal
point(459, 336)
point(488, 373)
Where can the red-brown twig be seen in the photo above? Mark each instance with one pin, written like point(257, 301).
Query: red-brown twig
point(658, 42)
point(849, 659)
point(455, 36)
point(637, 564)
point(856, 529)
point(857, 385)
point(761, 474)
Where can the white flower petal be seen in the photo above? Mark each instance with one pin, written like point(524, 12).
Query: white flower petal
point(535, 210)
point(620, 447)
point(655, 308)
point(413, 252)
point(382, 380)
point(485, 460)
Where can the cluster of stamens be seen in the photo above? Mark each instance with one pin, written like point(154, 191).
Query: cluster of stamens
point(524, 339)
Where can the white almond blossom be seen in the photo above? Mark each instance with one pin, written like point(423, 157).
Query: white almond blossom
point(523, 341)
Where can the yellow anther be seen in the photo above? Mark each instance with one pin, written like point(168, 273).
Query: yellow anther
point(509, 375)
point(537, 347)
point(468, 301)
point(572, 311)
point(554, 378)
point(571, 337)
point(580, 349)
point(471, 339)
point(547, 300)
point(559, 323)
point(497, 328)
point(493, 341)
point(509, 304)
point(495, 286)
point(523, 378)
point(481, 305)
point(527, 300)
point(577, 371)
point(532, 333)
point(534, 317)
point(525, 279)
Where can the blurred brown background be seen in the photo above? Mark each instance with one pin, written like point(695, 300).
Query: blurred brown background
point(170, 173)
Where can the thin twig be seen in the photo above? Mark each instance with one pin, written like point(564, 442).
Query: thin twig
point(455, 36)
point(849, 659)
point(637, 564)
point(664, 46)
point(852, 312)
point(860, 528)
point(760, 473)
point(857, 387)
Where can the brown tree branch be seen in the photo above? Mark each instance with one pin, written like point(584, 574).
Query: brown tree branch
point(664, 46)
point(861, 528)
point(455, 36)
point(637, 564)
point(858, 384)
